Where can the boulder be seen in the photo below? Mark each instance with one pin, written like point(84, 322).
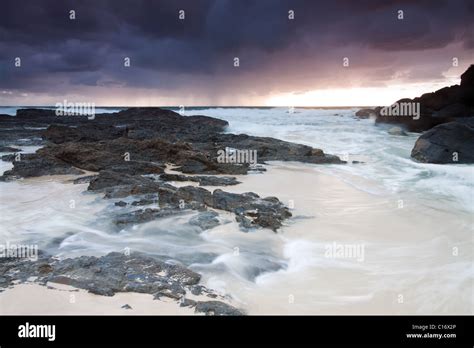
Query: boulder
point(451, 143)
point(365, 113)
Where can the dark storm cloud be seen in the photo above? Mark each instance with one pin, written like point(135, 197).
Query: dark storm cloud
point(165, 52)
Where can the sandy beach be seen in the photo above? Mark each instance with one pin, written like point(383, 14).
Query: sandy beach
point(406, 252)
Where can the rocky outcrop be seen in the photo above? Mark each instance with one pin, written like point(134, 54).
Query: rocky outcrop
point(451, 142)
point(114, 273)
point(125, 146)
point(203, 180)
point(250, 209)
point(366, 113)
point(444, 105)
point(9, 149)
point(31, 165)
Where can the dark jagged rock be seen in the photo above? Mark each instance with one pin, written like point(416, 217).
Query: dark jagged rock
point(144, 215)
point(203, 180)
point(187, 303)
point(444, 105)
point(467, 85)
point(32, 165)
point(451, 142)
point(251, 210)
point(111, 274)
point(366, 113)
point(120, 155)
point(59, 134)
point(107, 179)
point(84, 179)
point(267, 149)
point(9, 149)
point(35, 113)
point(216, 308)
point(264, 212)
point(126, 145)
point(140, 140)
point(205, 220)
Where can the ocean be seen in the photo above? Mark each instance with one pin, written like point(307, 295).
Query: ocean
point(413, 223)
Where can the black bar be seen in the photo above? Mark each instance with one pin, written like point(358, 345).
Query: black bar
point(261, 330)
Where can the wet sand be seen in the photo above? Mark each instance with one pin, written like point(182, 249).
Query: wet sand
point(408, 266)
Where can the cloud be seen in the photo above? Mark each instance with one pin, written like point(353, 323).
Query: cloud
point(196, 55)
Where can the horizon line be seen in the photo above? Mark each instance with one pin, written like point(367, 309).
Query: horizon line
point(202, 106)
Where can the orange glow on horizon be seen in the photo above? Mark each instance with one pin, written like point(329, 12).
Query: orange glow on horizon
point(358, 96)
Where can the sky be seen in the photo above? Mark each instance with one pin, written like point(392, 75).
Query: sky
point(185, 52)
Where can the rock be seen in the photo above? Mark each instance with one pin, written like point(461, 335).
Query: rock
point(35, 113)
point(141, 140)
point(126, 306)
point(107, 179)
point(60, 134)
point(205, 220)
point(8, 149)
point(110, 274)
point(129, 147)
point(445, 105)
point(365, 113)
point(264, 212)
point(187, 303)
point(216, 308)
point(37, 165)
point(396, 131)
point(197, 290)
point(451, 142)
point(452, 110)
point(203, 180)
point(252, 210)
point(144, 215)
point(84, 179)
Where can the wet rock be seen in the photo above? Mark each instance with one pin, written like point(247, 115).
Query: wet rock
point(205, 220)
point(251, 210)
point(107, 179)
point(126, 306)
point(9, 149)
point(84, 179)
point(365, 113)
point(140, 140)
point(203, 180)
point(118, 155)
point(449, 143)
point(396, 131)
point(216, 308)
point(35, 165)
point(445, 105)
point(110, 274)
point(124, 146)
point(197, 290)
point(187, 303)
point(144, 215)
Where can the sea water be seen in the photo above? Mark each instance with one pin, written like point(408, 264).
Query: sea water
point(413, 221)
